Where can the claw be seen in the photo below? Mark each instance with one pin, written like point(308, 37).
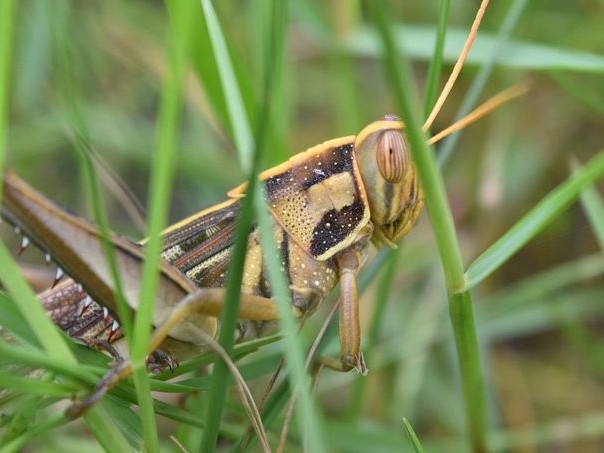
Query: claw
point(58, 276)
point(159, 360)
point(105, 313)
point(47, 258)
point(114, 327)
point(87, 304)
point(24, 245)
point(361, 365)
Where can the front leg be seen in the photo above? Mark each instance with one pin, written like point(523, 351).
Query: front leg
point(350, 329)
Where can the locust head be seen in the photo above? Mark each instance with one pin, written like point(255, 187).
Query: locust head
point(390, 179)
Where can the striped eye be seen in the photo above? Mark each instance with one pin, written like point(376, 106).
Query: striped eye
point(391, 156)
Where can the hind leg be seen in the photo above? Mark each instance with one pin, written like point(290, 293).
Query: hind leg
point(206, 301)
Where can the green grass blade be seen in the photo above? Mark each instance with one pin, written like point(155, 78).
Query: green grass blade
point(423, 156)
point(347, 97)
point(412, 436)
point(593, 205)
point(590, 97)
point(549, 281)
point(282, 95)
point(242, 132)
point(7, 20)
point(46, 425)
point(108, 435)
point(12, 320)
point(437, 58)
point(160, 191)
point(560, 431)
point(228, 321)
point(249, 160)
point(290, 329)
point(24, 298)
point(461, 310)
point(417, 42)
point(54, 345)
point(19, 355)
point(548, 209)
point(542, 314)
point(310, 421)
point(68, 65)
point(91, 183)
point(461, 313)
point(31, 386)
point(307, 414)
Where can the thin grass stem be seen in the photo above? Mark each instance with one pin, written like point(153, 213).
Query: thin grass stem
point(181, 20)
point(437, 58)
point(250, 162)
point(7, 20)
point(461, 310)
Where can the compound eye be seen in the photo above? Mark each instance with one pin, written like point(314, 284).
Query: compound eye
point(391, 156)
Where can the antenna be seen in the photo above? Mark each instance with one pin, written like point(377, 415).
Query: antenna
point(458, 65)
point(500, 98)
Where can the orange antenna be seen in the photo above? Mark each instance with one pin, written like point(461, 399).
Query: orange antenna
point(501, 98)
point(458, 65)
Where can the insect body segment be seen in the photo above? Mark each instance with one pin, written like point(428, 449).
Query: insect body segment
point(318, 197)
point(77, 314)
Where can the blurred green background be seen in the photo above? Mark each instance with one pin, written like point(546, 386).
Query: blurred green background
point(540, 317)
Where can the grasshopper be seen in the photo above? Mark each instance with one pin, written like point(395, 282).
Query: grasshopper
point(324, 221)
point(329, 205)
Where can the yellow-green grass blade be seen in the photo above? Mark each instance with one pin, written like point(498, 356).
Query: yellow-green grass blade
point(245, 147)
point(417, 447)
point(160, 193)
point(68, 67)
point(7, 20)
point(417, 42)
point(460, 304)
point(242, 131)
point(593, 205)
point(547, 210)
point(437, 58)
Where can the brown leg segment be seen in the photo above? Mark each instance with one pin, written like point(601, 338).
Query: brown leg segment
point(350, 329)
point(208, 301)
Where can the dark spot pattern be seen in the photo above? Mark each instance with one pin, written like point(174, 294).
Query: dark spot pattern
point(275, 182)
point(285, 256)
point(335, 226)
point(292, 194)
point(321, 173)
point(314, 170)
